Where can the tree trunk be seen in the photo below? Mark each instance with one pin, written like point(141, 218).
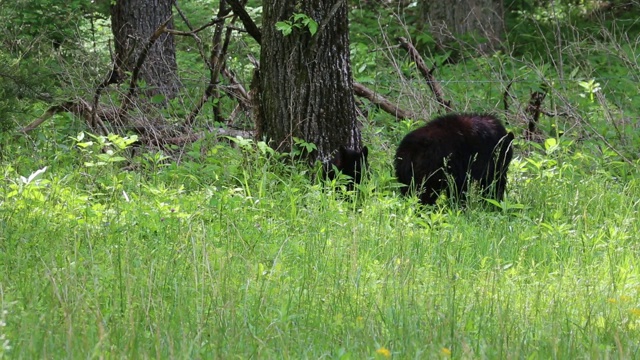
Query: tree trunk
point(132, 23)
point(481, 20)
point(306, 79)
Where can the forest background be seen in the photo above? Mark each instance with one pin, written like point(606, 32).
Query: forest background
point(151, 219)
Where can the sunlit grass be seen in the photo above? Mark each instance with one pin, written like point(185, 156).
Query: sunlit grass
point(269, 264)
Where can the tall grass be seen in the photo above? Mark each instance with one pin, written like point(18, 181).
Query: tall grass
point(267, 263)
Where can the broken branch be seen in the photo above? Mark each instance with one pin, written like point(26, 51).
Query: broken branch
point(379, 100)
point(427, 74)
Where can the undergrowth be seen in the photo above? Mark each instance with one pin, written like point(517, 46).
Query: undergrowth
point(265, 261)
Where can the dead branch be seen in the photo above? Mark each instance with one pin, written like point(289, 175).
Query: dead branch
point(235, 133)
point(534, 109)
point(216, 65)
point(79, 108)
point(427, 74)
point(234, 113)
point(182, 15)
point(189, 138)
point(194, 35)
point(249, 25)
point(64, 107)
point(220, 62)
point(506, 96)
point(379, 100)
point(163, 141)
point(193, 32)
point(237, 91)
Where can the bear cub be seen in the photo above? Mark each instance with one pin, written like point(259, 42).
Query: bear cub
point(452, 150)
point(348, 162)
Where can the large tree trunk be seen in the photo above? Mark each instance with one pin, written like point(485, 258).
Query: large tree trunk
point(306, 80)
point(132, 23)
point(482, 21)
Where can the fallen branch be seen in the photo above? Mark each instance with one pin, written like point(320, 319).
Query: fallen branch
point(379, 100)
point(79, 108)
point(64, 107)
point(426, 73)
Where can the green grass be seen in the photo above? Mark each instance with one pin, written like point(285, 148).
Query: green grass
point(261, 261)
point(224, 252)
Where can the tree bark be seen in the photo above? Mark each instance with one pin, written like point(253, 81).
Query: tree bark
point(306, 80)
point(132, 23)
point(482, 20)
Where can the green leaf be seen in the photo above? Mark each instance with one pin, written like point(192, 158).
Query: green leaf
point(298, 17)
point(494, 203)
point(117, 159)
point(158, 99)
point(284, 26)
point(85, 144)
point(551, 145)
point(313, 26)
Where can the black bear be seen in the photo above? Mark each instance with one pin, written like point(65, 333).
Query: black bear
point(452, 150)
point(348, 162)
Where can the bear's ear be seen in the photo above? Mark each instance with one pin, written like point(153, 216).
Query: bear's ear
point(340, 156)
point(365, 152)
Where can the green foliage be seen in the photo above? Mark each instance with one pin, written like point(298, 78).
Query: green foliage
point(43, 44)
point(237, 251)
point(297, 21)
point(52, 20)
point(105, 149)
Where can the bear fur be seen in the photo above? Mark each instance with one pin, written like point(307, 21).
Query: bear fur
point(348, 162)
point(452, 150)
